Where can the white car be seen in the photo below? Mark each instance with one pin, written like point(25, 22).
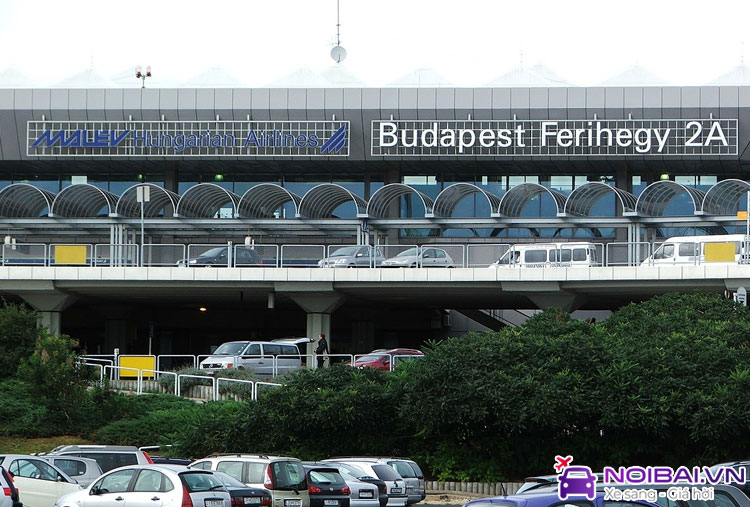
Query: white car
point(397, 496)
point(83, 470)
point(263, 358)
point(39, 483)
point(153, 485)
point(420, 258)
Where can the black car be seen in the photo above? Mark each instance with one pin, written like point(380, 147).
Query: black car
point(243, 495)
point(326, 487)
point(243, 256)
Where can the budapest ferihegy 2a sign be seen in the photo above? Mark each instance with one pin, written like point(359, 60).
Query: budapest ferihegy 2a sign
point(497, 138)
point(188, 138)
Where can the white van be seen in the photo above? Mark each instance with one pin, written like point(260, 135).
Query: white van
point(545, 255)
point(264, 358)
point(721, 249)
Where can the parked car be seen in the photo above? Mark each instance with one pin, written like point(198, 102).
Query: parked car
point(351, 472)
point(157, 485)
point(243, 256)
point(420, 258)
point(282, 476)
point(381, 358)
point(326, 486)
point(9, 496)
point(362, 494)
point(39, 483)
point(377, 467)
point(413, 476)
point(353, 257)
point(263, 358)
point(738, 465)
point(549, 498)
point(107, 456)
point(241, 494)
point(83, 470)
point(543, 481)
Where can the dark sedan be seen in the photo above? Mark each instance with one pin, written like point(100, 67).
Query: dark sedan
point(243, 495)
point(326, 486)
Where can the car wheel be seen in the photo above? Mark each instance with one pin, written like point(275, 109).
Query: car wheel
point(351, 266)
point(414, 265)
point(208, 264)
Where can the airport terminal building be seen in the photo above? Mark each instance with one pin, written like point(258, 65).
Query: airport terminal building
point(159, 175)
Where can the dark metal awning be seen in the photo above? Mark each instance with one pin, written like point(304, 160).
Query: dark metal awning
point(204, 200)
point(582, 199)
point(162, 202)
point(321, 201)
point(516, 199)
point(655, 198)
point(22, 200)
point(385, 195)
point(447, 200)
point(261, 201)
point(82, 201)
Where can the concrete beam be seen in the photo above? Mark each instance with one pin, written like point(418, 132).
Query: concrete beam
point(566, 301)
point(50, 306)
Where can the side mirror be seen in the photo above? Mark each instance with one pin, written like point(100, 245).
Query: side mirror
point(95, 491)
point(360, 254)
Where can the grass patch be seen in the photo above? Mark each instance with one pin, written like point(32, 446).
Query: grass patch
point(20, 445)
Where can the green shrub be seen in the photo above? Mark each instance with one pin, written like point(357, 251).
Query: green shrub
point(18, 335)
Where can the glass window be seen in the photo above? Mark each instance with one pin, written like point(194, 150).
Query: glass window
point(288, 475)
point(440, 254)
point(403, 469)
point(666, 251)
point(665, 502)
point(271, 349)
point(148, 480)
point(230, 348)
point(289, 350)
point(233, 468)
point(564, 183)
point(253, 350)
point(687, 249)
point(116, 482)
point(722, 499)
point(200, 481)
point(323, 477)
point(579, 254)
point(255, 472)
point(535, 256)
point(417, 470)
point(71, 467)
point(203, 465)
point(385, 473)
point(33, 469)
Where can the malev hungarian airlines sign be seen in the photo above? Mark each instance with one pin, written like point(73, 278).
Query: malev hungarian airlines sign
point(552, 138)
point(188, 139)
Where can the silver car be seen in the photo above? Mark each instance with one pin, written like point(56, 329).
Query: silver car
point(83, 470)
point(363, 494)
point(426, 257)
point(376, 467)
point(353, 257)
point(412, 474)
point(162, 485)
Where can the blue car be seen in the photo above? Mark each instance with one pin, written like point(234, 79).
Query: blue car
point(551, 499)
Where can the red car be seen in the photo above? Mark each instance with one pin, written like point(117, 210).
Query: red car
point(381, 358)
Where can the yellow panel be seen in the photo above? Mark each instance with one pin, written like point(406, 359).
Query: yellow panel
point(742, 215)
point(719, 252)
point(70, 254)
point(137, 363)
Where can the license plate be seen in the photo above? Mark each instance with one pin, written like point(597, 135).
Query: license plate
point(395, 490)
point(410, 489)
point(365, 494)
point(293, 503)
point(250, 500)
point(214, 503)
point(330, 502)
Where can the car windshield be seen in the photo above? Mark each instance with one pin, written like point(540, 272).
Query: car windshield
point(231, 348)
point(408, 253)
point(386, 473)
point(345, 252)
point(371, 357)
point(200, 481)
point(403, 469)
point(325, 477)
point(352, 470)
point(214, 252)
point(228, 480)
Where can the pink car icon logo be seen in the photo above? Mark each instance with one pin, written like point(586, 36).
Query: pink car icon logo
point(576, 481)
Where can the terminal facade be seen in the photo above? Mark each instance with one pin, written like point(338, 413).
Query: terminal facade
point(351, 166)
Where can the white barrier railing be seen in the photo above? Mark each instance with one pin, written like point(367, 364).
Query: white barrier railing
point(96, 365)
point(482, 255)
point(258, 384)
point(24, 254)
point(301, 256)
point(70, 259)
point(627, 254)
point(118, 369)
point(185, 375)
point(176, 356)
point(163, 254)
point(256, 255)
point(113, 255)
point(157, 373)
point(219, 380)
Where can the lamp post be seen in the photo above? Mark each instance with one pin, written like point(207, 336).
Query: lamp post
point(142, 195)
point(143, 75)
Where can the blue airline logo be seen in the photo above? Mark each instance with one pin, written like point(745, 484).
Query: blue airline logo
point(336, 142)
point(82, 139)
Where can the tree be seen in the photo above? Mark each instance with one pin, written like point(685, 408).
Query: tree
point(18, 334)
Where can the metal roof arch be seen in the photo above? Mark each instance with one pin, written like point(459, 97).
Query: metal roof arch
point(204, 200)
point(23, 200)
point(450, 197)
point(723, 197)
point(582, 199)
point(321, 201)
point(515, 200)
point(161, 201)
point(83, 200)
point(382, 198)
point(262, 200)
point(655, 198)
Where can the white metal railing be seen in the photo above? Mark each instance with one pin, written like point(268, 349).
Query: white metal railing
point(258, 384)
point(301, 256)
point(219, 380)
point(24, 254)
point(163, 254)
point(482, 255)
point(116, 372)
point(185, 375)
point(70, 260)
point(115, 255)
point(256, 255)
point(157, 373)
point(175, 356)
point(627, 254)
point(95, 365)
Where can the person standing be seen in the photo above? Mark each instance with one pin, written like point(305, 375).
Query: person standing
point(321, 349)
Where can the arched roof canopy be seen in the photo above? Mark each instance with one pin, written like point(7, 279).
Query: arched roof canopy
point(82, 201)
point(582, 199)
point(655, 198)
point(204, 200)
point(724, 197)
point(22, 200)
point(161, 202)
point(382, 198)
point(516, 199)
point(447, 200)
point(262, 200)
point(321, 200)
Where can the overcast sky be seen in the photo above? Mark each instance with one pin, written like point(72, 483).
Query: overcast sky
point(468, 42)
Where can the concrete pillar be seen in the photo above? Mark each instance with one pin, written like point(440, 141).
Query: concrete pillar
point(50, 305)
point(318, 323)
